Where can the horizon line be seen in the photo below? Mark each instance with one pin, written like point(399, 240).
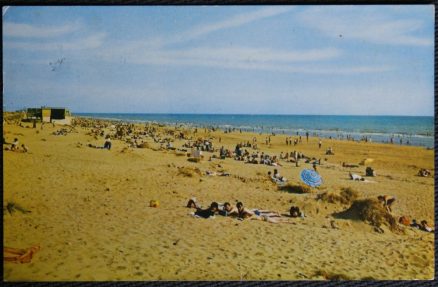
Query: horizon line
point(238, 114)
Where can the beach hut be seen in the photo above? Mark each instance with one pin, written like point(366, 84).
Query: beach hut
point(46, 114)
point(49, 114)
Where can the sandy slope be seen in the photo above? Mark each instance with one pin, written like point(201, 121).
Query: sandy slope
point(90, 213)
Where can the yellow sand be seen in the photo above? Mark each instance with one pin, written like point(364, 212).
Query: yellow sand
point(91, 214)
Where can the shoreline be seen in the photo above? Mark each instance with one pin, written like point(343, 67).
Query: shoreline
point(357, 136)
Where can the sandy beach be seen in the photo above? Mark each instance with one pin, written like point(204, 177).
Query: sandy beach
point(90, 210)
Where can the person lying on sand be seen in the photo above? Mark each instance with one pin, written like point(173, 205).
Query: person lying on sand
point(425, 227)
point(16, 255)
point(256, 214)
point(193, 204)
point(422, 226)
point(387, 201)
point(213, 173)
point(229, 210)
point(209, 212)
point(242, 212)
point(354, 176)
point(349, 165)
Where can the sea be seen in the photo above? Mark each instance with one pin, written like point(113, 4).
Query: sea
point(405, 130)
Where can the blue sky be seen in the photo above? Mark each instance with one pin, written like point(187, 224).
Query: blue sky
point(352, 60)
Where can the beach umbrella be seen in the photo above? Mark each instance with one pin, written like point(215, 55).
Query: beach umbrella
point(311, 177)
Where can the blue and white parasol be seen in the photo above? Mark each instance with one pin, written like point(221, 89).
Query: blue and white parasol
point(311, 177)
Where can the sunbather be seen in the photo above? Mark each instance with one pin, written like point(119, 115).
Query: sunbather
point(209, 212)
point(356, 177)
point(349, 165)
point(19, 255)
point(229, 210)
point(192, 203)
point(425, 227)
point(256, 214)
point(242, 212)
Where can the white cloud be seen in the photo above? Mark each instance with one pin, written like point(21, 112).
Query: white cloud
point(246, 58)
point(361, 24)
point(233, 22)
point(90, 42)
point(20, 30)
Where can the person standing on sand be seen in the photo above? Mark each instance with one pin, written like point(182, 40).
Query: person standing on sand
point(320, 143)
point(387, 201)
point(307, 136)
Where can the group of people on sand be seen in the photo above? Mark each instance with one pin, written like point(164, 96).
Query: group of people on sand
point(276, 177)
point(242, 213)
point(295, 141)
point(200, 144)
point(388, 201)
point(423, 225)
point(15, 146)
point(369, 171)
